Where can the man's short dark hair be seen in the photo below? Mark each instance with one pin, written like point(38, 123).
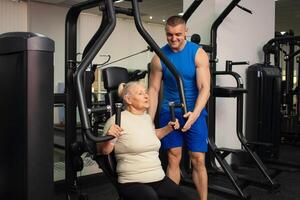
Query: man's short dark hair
point(175, 20)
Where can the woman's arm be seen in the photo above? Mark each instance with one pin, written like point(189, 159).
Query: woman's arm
point(113, 130)
point(162, 132)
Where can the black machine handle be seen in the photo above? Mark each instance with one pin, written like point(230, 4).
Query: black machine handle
point(172, 106)
point(156, 49)
point(87, 59)
point(100, 110)
point(235, 75)
point(229, 64)
point(228, 71)
point(118, 113)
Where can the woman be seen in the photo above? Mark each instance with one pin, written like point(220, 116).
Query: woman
point(136, 145)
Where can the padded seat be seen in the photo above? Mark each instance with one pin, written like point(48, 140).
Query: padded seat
point(228, 91)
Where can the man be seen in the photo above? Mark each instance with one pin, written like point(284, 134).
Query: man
point(192, 63)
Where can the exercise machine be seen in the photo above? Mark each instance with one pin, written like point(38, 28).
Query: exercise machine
point(74, 84)
point(26, 104)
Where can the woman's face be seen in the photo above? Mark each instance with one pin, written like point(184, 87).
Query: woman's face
point(137, 97)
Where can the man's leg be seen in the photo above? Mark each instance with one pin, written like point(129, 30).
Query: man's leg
point(199, 173)
point(173, 169)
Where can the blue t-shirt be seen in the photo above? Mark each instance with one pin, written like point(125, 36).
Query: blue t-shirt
point(184, 62)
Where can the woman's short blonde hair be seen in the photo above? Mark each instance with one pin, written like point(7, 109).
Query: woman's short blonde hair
point(124, 87)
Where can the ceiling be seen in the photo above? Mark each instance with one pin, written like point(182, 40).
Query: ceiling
point(158, 9)
point(287, 11)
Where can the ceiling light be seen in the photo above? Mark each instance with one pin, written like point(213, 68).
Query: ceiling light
point(283, 32)
point(180, 14)
point(119, 1)
point(150, 17)
point(164, 20)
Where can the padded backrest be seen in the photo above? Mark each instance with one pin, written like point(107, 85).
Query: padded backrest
point(112, 77)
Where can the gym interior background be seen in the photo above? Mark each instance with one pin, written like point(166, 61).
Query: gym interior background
point(241, 37)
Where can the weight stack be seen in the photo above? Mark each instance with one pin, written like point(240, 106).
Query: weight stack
point(26, 116)
point(263, 108)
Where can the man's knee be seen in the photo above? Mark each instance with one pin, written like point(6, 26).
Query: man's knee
point(198, 160)
point(174, 156)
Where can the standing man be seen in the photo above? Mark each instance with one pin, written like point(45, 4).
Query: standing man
point(192, 63)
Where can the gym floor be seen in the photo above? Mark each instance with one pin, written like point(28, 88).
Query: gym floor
point(102, 189)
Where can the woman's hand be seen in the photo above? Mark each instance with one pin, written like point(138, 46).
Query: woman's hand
point(115, 131)
point(162, 132)
point(107, 147)
point(174, 125)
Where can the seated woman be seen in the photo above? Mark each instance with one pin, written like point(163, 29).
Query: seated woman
point(136, 145)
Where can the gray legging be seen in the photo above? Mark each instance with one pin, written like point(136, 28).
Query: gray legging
point(165, 189)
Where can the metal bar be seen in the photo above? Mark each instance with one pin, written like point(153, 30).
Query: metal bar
point(298, 92)
point(253, 155)
point(285, 39)
point(70, 107)
point(292, 55)
point(213, 56)
point(125, 11)
point(70, 101)
point(156, 49)
point(277, 55)
point(289, 78)
point(92, 41)
point(187, 14)
point(92, 52)
point(227, 170)
point(143, 51)
point(59, 98)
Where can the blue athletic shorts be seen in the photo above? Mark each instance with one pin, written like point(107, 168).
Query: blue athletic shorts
point(195, 138)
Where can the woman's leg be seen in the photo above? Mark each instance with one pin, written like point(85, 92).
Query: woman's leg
point(168, 189)
point(137, 191)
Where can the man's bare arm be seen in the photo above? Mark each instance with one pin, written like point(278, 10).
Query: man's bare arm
point(154, 85)
point(203, 84)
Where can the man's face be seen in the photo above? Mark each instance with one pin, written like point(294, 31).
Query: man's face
point(176, 36)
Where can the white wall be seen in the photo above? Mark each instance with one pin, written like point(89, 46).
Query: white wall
point(50, 20)
point(240, 38)
point(13, 16)
point(124, 41)
point(201, 20)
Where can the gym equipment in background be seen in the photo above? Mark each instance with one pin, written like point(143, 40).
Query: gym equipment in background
point(26, 117)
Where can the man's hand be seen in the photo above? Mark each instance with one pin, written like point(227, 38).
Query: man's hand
point(191, 118)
